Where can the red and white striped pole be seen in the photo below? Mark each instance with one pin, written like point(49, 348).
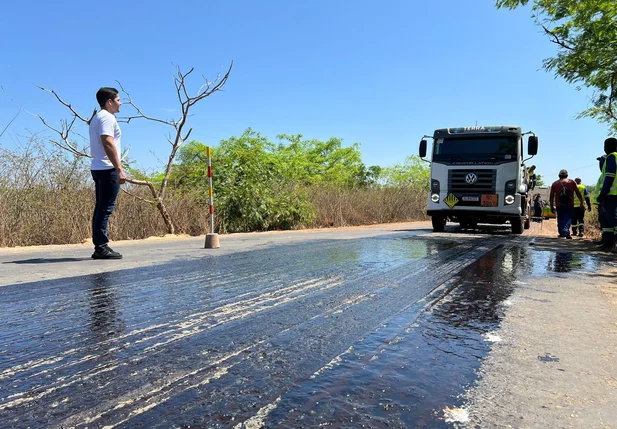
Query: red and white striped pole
point(212, 239)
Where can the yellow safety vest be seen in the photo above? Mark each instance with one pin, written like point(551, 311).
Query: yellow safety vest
point(598, 188)
point(577, 202)
point(613, 190)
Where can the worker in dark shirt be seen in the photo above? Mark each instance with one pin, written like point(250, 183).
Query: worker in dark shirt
point(563, 192)
point(608, 196)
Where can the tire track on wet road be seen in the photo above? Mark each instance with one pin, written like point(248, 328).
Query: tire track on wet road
point(207, 325)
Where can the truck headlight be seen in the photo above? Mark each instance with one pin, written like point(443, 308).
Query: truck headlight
point(509, 199)
point(435, 198)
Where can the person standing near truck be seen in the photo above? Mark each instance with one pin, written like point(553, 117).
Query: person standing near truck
point(578, 222)
point(531, 173)
point(596, 192)
point(563, 192)
point(608, 195)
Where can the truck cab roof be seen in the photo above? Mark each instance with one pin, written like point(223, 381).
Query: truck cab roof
point(478, 131)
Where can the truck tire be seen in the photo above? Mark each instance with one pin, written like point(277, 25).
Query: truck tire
point(439, 223)
point(527, 222)
point(517, 225)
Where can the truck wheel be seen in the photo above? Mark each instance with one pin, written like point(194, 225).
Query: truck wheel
point(517, 225)
point(439, 223)
point(527, 222)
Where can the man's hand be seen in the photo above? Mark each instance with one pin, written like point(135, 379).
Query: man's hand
point(553, 209)
point(121, 177)
point(589, 208)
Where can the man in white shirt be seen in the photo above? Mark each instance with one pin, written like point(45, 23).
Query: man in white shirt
point(106, 168)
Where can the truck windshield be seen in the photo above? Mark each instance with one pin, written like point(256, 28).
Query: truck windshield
point(475, 149)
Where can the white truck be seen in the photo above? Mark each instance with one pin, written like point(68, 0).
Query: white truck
point(478, 175)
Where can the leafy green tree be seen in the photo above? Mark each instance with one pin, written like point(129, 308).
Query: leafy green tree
point(413, 173)
point(540, 180)
point(261, 185)
point(251, 185)
point(313, 162)
point(585, 32)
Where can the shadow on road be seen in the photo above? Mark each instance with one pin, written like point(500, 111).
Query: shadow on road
point(47, 260)
point(565, 245)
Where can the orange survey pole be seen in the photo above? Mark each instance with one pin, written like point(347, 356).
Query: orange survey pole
point(212, 239)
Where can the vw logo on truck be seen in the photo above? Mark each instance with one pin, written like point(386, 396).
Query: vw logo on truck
point(471, 178)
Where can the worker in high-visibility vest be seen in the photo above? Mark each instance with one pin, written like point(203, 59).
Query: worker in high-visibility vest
point(608, 196)
point(531, 174)
point(578, 221)
point(596, 192)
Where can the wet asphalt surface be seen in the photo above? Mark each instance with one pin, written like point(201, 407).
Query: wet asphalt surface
point(380, 331)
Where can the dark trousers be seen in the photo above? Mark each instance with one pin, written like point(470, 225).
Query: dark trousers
point(106, 188)
point(608, 219)
point(578, 221)
point(565, 214)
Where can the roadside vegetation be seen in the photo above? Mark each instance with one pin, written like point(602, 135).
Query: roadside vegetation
point(47, 197)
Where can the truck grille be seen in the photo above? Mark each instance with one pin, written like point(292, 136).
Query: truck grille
point(484, 185)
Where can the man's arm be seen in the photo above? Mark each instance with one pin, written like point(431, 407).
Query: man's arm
point(552, 198)
point(110, 150)
point(587, 200)
point(609, 176)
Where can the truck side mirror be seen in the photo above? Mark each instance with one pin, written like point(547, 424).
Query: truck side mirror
point(422, 151)
point(532, 145)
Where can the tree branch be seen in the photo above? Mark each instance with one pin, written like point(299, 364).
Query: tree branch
point(64, 135)
point(10, 122)
point(77, 115)
point(611, 99)
point(141, 114)
point(556, 39)
point(138, 197)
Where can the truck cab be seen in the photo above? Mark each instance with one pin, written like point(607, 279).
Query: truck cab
point(478, 175)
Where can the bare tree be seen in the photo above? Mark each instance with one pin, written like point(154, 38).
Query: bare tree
point(175, 138)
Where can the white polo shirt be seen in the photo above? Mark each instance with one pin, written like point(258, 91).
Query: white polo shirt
point(103, 124)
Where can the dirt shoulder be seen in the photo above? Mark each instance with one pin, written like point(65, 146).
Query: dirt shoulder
point(556, 363)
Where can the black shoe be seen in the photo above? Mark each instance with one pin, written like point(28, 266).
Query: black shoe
point(569, 237)
point(106, 253)
point(580, 234)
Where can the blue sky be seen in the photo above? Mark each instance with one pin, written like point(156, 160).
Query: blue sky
point(379, 74)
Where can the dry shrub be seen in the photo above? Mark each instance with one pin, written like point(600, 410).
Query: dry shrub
point(342, 207)
point(38, 216)
point(47, 197)
point(136, 219)
point(592, 224)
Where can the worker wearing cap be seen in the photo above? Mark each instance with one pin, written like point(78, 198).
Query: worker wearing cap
point(578, 221)
point(563, 192)
point(608, 196)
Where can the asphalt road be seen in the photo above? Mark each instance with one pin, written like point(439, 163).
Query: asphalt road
point(384, 326)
